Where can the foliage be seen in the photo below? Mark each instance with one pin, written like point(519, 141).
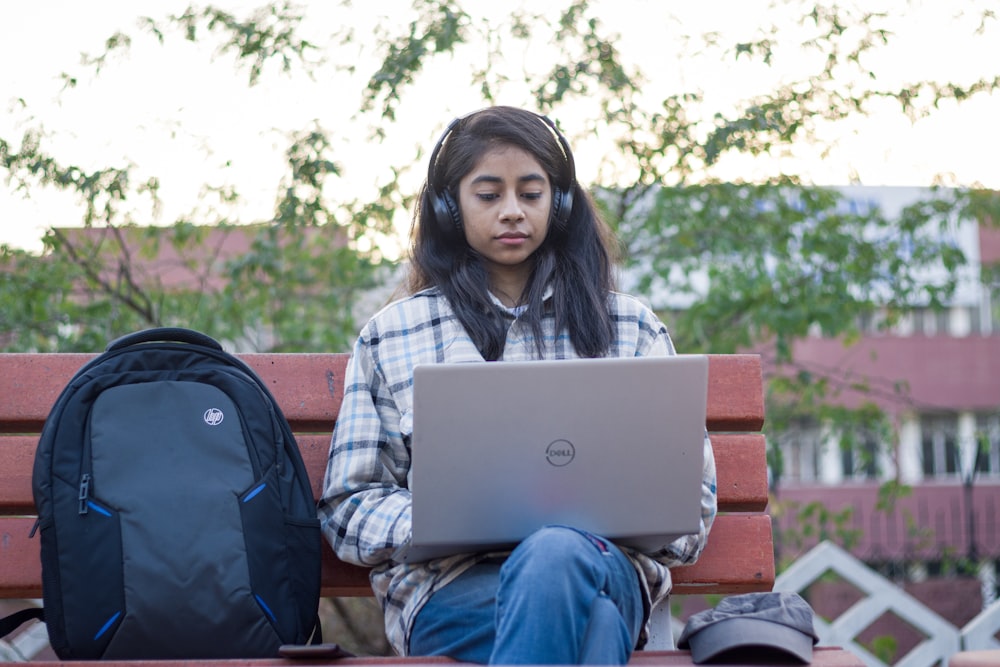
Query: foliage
point(757, 262)
point(885, 648)
point(732, 263)
point(770, 262)
point(277, 295)
point(814, 523)
point(293, 289)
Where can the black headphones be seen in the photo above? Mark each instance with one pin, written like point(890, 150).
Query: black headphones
point(445, 209)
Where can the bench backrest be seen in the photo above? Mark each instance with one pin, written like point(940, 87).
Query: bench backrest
point(739, 557)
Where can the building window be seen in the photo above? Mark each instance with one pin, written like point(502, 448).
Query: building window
point(975, 320)
point(800, 452)
point(859, 455)
point(866, 323)
point(931, 321)
point(988, 444)
point(993, 308)
point(939, 445)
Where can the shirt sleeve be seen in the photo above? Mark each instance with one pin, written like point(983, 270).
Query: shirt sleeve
point(365, 507)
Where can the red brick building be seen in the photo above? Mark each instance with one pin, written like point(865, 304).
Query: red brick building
point(936, 374)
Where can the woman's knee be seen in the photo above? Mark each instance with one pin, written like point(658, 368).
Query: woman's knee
point(561, 544)
point(554, 551)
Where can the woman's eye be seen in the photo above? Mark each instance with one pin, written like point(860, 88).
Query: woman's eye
point(487, 196)
point(532, 195)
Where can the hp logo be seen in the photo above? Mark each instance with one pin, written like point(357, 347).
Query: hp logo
point(213, 416)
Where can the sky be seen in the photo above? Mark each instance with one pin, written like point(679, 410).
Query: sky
point(174, 112)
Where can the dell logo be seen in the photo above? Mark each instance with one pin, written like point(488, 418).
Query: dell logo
point(213, 416)
point(560, 453)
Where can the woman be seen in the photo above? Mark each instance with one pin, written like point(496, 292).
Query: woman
point(510, 261)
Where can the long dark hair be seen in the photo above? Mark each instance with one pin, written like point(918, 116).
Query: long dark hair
point(575, 260)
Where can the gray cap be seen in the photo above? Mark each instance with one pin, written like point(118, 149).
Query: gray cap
point(773, 625)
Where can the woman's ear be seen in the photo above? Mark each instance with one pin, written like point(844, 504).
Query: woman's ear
point(562, 206)
point(446, 212)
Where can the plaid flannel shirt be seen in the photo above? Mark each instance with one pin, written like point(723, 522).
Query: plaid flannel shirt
point(365, 509)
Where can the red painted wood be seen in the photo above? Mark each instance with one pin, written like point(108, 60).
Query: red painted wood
point(739, 558)
point(309, 387)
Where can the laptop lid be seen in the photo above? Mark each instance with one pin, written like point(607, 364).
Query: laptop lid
point(611, 446)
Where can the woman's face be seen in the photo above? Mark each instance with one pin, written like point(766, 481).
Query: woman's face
point(505, 202)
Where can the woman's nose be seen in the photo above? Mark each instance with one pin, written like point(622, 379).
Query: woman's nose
point(511, 210)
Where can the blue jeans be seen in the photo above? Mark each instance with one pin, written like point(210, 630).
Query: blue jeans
point(562, 597)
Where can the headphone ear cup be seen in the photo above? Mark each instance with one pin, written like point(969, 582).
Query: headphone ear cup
point(562, 206)
point(446, 212)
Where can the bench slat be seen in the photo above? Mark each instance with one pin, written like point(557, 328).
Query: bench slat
point(309, 388)
point(734, 561)
point(740, 458)
point(17, 458)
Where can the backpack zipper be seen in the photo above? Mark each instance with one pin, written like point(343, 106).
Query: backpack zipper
point(84, 492)
point(86, 467)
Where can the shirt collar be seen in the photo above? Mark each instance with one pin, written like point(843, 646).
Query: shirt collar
point(516, 311)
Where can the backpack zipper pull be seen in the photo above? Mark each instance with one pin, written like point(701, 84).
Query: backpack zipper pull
point(84, 492)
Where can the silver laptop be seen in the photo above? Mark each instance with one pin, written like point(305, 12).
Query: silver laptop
point(611, 446)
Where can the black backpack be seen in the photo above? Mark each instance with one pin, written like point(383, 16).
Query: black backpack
point(176, 516)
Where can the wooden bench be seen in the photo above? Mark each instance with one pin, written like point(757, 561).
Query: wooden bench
point(739, 557)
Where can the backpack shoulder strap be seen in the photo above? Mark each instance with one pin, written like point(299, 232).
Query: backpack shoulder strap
point(12, 622)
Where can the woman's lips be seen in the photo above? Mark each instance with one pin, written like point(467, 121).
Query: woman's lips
point(512, 238)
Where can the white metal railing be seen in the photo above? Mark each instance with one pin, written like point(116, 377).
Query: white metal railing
point(942, 639)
